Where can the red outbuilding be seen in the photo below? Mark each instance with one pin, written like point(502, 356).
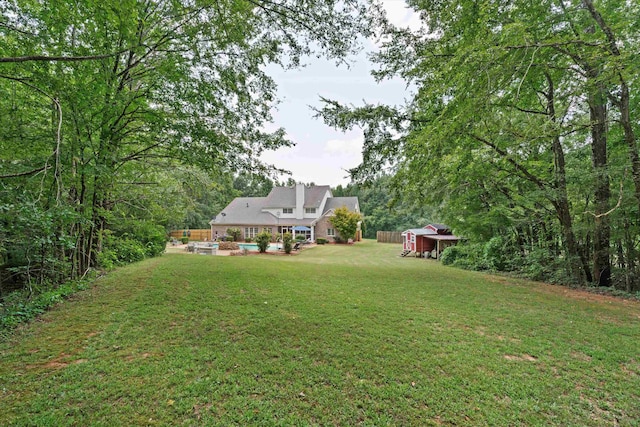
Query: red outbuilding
point(427, 242)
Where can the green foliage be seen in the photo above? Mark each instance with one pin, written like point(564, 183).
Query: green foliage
point(142, 110)
point(300, 237)
point(450, 254)
point(263, 239)
point(184, 240)
point(345, 222)
point(234, 233)
point(22, 306)
point(522, 124)
point(385, 208)
point(468, 256)
point(321, 241)
point(497, 253)
point(287, 241)
point(118, 251)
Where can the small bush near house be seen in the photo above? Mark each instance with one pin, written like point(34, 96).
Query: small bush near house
point(236, 233)
point(301, 237)
point(263, 240)
point(321, 241)
point(287, 241)
point(184, 240)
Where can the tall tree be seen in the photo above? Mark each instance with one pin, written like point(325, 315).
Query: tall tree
point(101, 96)
point(505, 92)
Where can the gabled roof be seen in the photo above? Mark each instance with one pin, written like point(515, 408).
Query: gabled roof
point(285, 197)
point(337, 202)
point(281, 197)
point(421, 231)
point(439, 227)
point(313, 195)
point(433, 231)
point(245, 210)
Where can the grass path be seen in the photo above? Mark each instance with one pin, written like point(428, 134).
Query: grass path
point(337, 335)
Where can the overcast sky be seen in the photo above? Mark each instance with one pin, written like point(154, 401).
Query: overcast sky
point(321, 154)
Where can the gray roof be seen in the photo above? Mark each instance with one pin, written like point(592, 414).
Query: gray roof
point(281, 197)
point(337, 202)
point(422, 232)
point(433, 234)
point(245, 211)
point(285, 197)
point(313, 195)
point(249, 210)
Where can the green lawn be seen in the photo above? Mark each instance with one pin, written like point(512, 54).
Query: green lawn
point(338, 335)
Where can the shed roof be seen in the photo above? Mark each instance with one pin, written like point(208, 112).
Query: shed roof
point(422, 231)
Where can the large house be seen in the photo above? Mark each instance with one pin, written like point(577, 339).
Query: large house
point(297, 210)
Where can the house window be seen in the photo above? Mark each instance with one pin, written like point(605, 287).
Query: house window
point(331, 232)
point(250, 232)
point(287, 210)
point(286, 229)
point(310, 210)
point(267, 230)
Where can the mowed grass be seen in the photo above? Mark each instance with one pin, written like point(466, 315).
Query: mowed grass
point(338, 335)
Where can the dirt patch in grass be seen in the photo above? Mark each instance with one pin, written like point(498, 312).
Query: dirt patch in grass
point(590, 294)
point(524, 357)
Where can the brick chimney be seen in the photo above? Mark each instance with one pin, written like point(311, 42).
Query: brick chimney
point(299, 201)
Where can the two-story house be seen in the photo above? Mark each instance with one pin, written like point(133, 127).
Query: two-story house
point(297, 210)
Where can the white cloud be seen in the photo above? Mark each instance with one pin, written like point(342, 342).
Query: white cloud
point(349, 147)
point(400, 15)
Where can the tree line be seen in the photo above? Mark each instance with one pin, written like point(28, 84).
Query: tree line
point(116, 115)
point(523, 127)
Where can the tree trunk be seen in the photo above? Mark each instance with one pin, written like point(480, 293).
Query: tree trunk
point(578, 266)
point(602, 193)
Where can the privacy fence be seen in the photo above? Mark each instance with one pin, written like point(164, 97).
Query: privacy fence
point(389, 236)
point(197, 235)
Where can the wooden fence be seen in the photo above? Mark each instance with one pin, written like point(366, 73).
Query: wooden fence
point(389, 236)
point(195, 235)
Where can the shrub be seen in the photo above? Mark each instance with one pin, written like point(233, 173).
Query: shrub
point(263, 240)
point(345, 222)
point(184, 240)
point(117, 251)
point(287, 241)
point(301, 237)
point(467, 256)
point(228, 246)
point(450, 255)
point(235, 233)
point(321, 241)
point(497, 253)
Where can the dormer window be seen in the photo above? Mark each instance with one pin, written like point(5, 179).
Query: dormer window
point(310, 210)
point(287, 210)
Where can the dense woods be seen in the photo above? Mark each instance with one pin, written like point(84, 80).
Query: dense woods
point(117, 117)
point(523, 130)
point(122, 119)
